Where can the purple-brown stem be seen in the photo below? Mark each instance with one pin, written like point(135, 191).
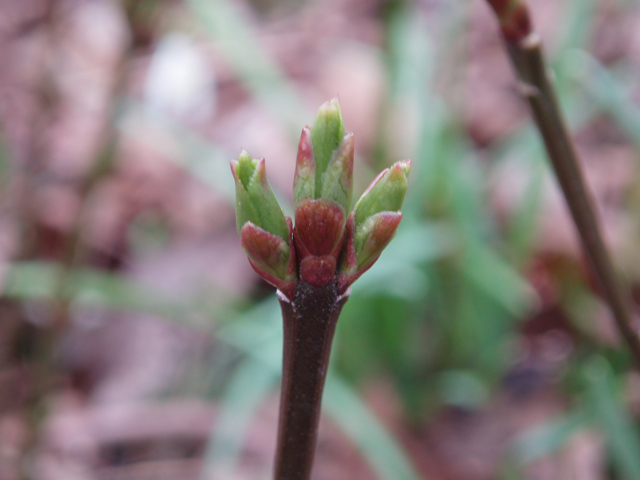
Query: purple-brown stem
point(525, 50)
point(309, 324)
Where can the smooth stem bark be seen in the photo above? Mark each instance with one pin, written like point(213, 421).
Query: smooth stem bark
point(526, 55)
point(309, 325)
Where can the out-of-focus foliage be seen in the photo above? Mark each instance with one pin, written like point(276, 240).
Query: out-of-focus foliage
point(481, 311)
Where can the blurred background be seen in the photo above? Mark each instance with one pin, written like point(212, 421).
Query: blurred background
point(137, 343)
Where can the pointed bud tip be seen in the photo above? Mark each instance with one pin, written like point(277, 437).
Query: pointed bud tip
point(327, 134)
point(330, 107)
point(385, 193)
point(255, 200)
point(244, 156)
point(398, 172)
point(405, 165)
point(243, 168)
point(330, 116)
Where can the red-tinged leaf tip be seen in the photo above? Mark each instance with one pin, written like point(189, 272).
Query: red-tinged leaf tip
point(386, 224)
point(318, 271)
point(261, 173)
point(234, 172)
point(304, 179)
point(319, 228)
point(404, 165)
point(363, 248)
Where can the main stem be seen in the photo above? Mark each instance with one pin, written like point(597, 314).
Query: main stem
point(526, 55)
point(309, 325)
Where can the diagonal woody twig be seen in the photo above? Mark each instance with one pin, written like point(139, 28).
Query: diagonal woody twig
point(525, 51)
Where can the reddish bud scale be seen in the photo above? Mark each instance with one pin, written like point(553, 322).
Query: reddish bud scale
point(515, 21)
point(318, 271)
point(349, 260)
point(319, 227)
point(264, 250)
point(318, 238)
point(383, 228)
point(261, 244)
point(518, 25)
point(502, 7)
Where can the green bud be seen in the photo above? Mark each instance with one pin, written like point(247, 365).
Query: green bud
point(385, 194)
point(255, 201)
point(324, 165)
point(327, 133)
point(373, 223)
point(333, 178)
point(337, 180)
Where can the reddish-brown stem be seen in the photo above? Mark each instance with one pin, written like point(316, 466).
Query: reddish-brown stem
point(309, 324)
point(526, 55)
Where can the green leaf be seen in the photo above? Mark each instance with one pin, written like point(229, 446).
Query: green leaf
point(380, 449)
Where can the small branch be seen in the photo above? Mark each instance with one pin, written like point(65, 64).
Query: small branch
point(313, 264)
point(309, 325)
point(525, 49)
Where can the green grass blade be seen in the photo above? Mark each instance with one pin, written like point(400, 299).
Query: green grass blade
point(622, 438)
point(33, 280)
point(257, 333)
point(498, 280)
point(250, 384)
point(244, 51)
point(608, 93)
point(543, 440)
point(523, 223)
point(381, 450)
